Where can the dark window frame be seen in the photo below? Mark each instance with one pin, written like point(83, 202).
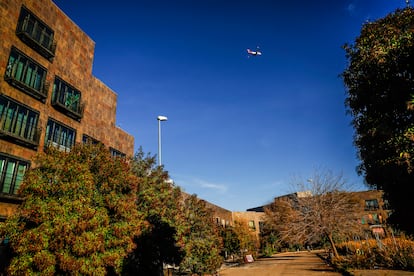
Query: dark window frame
point(67, 99)
point(36, 34)
point(5, 160)
point(25, 74)
point(88, 139)
point(59, 135)
point(371, 204)
point(116, 153)
point(19, 123)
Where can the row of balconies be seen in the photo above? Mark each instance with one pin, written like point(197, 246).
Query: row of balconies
point(29, 77)
point(59, 101)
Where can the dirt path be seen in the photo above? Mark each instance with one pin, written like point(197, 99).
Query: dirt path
point(290, 263)
point(299, 263)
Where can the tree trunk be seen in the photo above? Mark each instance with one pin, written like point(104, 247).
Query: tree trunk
point(335, 252)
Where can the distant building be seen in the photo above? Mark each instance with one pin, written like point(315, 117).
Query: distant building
point(222, 217)
point(48, 95)
point(373, 209)
point(253, 219)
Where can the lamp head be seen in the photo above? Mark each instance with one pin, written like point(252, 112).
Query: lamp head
point(162, 118)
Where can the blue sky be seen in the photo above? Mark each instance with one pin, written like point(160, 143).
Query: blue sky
point(239, 128)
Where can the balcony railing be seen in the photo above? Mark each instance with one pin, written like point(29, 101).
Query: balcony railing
point(57, 146)
point(30, 140)
point(74, 110)
point(59, 136)
point(37, 36)
point(40, 94)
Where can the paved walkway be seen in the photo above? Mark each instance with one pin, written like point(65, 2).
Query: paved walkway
point(301, 263)
point(291, 263)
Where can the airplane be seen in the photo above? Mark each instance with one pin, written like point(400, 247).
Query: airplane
point(254, 53)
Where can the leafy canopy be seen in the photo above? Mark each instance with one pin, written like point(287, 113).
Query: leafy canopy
point(201, 239)
point(159, 205)
point(380, 90)
point(78, 216)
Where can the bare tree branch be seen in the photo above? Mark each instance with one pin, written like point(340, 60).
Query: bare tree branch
point(321, 207)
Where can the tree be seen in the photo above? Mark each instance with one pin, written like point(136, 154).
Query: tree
point(269, 241)
point(322, 208)
point(78, 215)
point(231, 242)
point(156, 246)
point(201, 239)
point(157, 194)
point(380, 91)
point(247, 238)
point(280, 216)
point(159, 206)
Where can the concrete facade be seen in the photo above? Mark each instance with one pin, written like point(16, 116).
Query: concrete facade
point(46, 61)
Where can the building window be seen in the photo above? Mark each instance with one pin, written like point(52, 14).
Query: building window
point(67, 99)
point(371, 204)
point(116, 153)
point(32, 31)
point(11, 173)
point(86, 139)
point(18, 122)
point(252, 225)
point(26, 75)
point(59, 136)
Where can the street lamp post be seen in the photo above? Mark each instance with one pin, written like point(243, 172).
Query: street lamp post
point(160, 118)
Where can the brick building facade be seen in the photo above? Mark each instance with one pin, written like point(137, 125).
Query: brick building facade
point(253, 219)
point(371, 209)
point(48, 95)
